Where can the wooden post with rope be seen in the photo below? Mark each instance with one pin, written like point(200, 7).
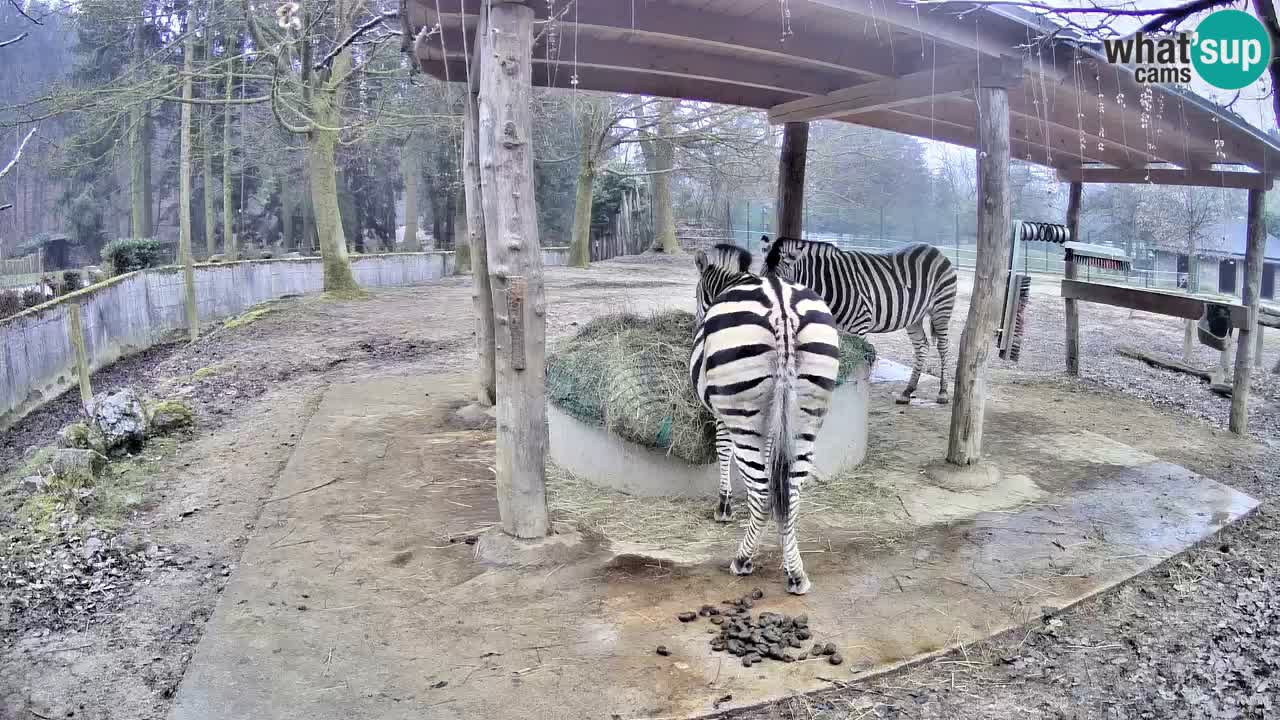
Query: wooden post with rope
point(965, 443)
point(791, 166)
point(515, 267)
point(1072, 307)
point(1250, 298)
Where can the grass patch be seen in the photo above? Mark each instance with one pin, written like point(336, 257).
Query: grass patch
point(208, 372)
point(248, 317)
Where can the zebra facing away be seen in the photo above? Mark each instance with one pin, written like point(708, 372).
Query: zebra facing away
point(764, 362)
point(877, 292)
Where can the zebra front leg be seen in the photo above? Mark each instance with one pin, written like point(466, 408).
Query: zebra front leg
point(724, 455)
point(940, 334)
point(919, 347)
point(748, 459)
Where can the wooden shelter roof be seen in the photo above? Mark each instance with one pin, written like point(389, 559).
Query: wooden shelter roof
point(880, 63)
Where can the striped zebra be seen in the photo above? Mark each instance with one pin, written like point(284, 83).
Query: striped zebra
point(878, 292)
point(764, 362)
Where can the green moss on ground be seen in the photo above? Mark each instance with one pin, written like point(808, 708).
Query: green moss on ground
point(207, 372)
point(249, 316)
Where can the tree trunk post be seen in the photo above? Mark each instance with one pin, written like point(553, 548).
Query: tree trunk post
point(1188, 341)
point(184, 196)
point(965, 443)
point(791, 164)
point(1072, 307)
point(1257, 347)
point(75, 333)
point(481, 292)
point(515, 267)
point(410, 170)
point(229, 246)
point(1250, 297)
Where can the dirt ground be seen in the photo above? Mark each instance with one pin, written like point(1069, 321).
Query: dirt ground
point(1198, 637)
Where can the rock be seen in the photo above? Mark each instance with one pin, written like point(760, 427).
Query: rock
point(170, 415)
point(75, 435)
point(78, 468)
point(32, 484)
point(121, 419)
point(92, 546)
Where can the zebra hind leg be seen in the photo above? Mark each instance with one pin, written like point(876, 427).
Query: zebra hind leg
point(724, 454)
point(940, 334)
point(797, 580)
point(919, 347)
point(747, 458)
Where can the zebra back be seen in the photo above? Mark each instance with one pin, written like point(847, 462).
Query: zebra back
point(869, 292)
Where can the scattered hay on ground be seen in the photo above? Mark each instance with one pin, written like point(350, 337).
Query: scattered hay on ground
point(851, 507)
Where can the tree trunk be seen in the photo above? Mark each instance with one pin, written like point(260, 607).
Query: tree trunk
point(1072, 307)
point(481, 292)
point(965, 443)
point(140, 216)
point(410, 170)
point(580, 245)
point(184, 194)
point(322, 144)
point(1250, 297)
point(791, 165)
point(515, 269)
point(230, 246)
point(461, 243)
point(206, 165)
point(288, 205)
point(664, 219)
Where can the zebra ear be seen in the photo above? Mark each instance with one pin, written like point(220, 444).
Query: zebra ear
point(700, 259)
point(773, 257)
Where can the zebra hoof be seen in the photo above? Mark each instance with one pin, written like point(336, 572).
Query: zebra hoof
point(798, 585)
point(742, 567)
point(903, 400)
point(943, 399)
point(724, 511)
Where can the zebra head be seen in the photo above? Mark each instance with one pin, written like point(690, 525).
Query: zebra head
point(782, 256)
point(724, 266)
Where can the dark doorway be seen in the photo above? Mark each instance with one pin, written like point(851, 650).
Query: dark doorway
point(1269, 281)
point(1183, 265)
point(1227, 277)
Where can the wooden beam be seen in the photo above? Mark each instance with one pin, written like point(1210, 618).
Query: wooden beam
point(704, 30)
point(791, 165)
point(1160, 302)
point(515, 268)
point(481, 291)
point(1232, 179)
point(1250, 298)
point(965, 442)
point(1072, 309)
point(945, 130)
point(1166, 363)
point(905, 90)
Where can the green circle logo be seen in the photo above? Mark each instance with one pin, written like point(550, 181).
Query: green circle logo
point(1232, 49)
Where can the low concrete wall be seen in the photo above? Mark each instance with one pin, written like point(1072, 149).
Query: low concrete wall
point(600, 457)
point(132, 312)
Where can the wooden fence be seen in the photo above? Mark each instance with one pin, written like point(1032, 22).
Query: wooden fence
point(631, 231)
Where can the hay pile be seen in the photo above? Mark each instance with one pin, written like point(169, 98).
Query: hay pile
point(630, 374)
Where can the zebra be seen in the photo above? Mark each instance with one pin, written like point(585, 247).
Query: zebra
point(878, 292)
point(764, 362)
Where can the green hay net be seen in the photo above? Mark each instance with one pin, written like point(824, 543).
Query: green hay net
point(630, 374)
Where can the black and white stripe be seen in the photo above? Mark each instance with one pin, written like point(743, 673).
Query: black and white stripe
point(764, 363)
point(878, 292)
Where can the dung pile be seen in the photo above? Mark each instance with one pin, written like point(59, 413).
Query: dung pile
point(630, 374)
point(769, 635)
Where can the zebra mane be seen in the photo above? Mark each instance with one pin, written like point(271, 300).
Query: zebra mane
point(773, 255)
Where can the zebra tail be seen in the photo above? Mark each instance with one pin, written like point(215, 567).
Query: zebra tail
point(783, 453)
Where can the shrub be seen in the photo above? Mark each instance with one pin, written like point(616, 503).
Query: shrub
point(72, 281)
point(129, 254)
point(10, 303)
point(32, 297)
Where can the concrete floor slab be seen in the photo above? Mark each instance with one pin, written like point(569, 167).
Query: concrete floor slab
point(363, 597)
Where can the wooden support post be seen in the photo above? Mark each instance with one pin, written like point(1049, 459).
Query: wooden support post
point(75, 333)
point(1188, 340)
point(184, 196)
point(791, 164)
point(1072, 307)
point(1257, 347)
point(965, 444)
point(1250, 298)
point(515, 267)
point(481, 293)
